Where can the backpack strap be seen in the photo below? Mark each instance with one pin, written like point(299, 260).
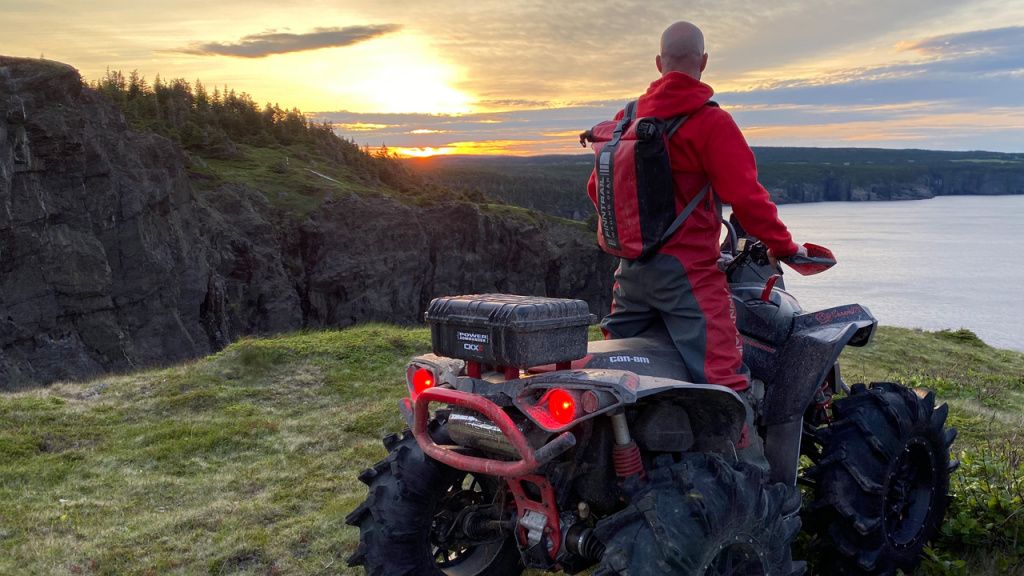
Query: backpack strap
point(671, 128)
point(604, 160)
point(690, 207)
point(674, 125)
point(605, 179)
point(627, 116)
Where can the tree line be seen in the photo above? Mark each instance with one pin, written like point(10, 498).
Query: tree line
point(213, 124)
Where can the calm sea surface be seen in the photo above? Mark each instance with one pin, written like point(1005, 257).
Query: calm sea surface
point(949, 262)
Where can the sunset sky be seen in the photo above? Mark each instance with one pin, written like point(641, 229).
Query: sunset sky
point(500, 76)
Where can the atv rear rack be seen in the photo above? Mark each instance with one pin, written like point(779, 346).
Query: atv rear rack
point(530, 459)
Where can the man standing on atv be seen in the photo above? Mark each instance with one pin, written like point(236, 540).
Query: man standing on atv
point(682, 284)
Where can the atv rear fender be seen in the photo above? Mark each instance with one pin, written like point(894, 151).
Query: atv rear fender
point(716, 414)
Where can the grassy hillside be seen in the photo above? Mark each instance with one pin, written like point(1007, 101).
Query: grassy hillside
point(295, 163)
point(245, 462)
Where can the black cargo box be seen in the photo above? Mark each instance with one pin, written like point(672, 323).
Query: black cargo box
point(509, 330)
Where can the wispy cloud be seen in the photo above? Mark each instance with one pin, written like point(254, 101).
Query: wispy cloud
point(970, 70)
point(522, 131)
point(274, 42)
point(510, 103)
point(819, 72)
point(994, 40)
point(953, 91)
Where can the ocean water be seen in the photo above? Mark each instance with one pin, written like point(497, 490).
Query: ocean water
point(949, 262)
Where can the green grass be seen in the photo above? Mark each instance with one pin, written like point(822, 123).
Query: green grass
point(284, 175)
point(298, 179)
point(245, 462)
point(526, 215)
point(955, 364)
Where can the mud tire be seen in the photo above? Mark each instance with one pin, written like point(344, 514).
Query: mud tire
point(698, 515)
point(395, 521)
point(882, 482)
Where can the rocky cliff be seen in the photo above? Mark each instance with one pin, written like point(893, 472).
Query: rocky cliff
point(110, 259)
point(553, 184)
point(939, 182)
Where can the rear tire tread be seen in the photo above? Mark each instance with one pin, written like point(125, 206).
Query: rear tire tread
point(690, 511)
point(395, 519)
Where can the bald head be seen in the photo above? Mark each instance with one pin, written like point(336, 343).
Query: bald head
point(682, 50)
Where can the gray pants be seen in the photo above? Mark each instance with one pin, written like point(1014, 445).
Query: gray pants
point(659, 289)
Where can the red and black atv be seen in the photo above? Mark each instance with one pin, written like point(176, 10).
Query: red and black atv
point(529, 448)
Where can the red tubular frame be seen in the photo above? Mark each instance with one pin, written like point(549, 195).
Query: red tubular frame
point(547, 506)
point(529, 460)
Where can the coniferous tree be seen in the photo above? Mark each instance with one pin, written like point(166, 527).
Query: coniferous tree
point(215, 124)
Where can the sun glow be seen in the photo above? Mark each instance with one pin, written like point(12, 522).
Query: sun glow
point(422, 151)
point(484, 148)
point(361, 127)
point(398, 74)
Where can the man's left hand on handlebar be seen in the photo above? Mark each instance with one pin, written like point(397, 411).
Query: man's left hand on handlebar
point(801, 251)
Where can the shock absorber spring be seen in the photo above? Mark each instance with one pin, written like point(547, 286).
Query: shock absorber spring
point(625, 454)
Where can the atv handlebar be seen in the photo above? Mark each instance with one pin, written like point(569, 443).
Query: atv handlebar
point(813, 260)
point(530, 459)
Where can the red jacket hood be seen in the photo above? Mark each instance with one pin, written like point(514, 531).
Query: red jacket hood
point(673, 94)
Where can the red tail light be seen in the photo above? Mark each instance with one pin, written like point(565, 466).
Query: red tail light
point(561, 406)
point(421, 380)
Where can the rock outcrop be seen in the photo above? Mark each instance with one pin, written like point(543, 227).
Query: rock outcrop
point(552, 184)
point(938, 181)
point(111, 260)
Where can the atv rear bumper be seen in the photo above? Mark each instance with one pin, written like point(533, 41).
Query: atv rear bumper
point(530, 459)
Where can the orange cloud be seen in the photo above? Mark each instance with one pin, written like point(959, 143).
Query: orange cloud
point(924, 127)
point(361, 127)
point(419, 151)
point(487, 148)
point(568, 134)
point(505, 147)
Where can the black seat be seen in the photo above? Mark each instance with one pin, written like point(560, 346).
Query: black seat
point(652, 353)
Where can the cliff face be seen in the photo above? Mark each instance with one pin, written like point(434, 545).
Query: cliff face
point(855, 174)
point(99, 254)
point(110, 259)
point(937, 182)
point(832, 188)
point(555, 184)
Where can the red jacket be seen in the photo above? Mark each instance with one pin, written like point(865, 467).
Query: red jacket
point(709, 147)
